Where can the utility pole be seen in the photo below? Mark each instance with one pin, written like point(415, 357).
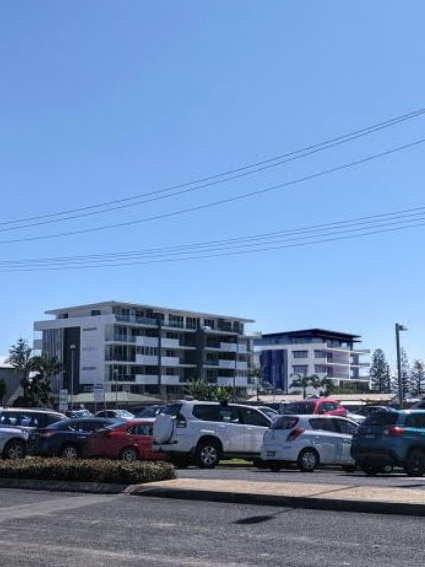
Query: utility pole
point(399, 328)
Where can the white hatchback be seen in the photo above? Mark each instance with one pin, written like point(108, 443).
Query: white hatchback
point(308, 441)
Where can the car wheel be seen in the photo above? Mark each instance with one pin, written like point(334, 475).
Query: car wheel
point(69, 452)
point(348, 468)
point(370, 470)
point(415, 462)
point(207, 454)
point(15, 449)
point(308, 460)
point(129, 454)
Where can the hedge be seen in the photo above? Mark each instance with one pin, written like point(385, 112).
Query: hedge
point(87, 470)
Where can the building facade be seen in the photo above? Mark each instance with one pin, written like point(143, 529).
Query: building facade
point(144, 349)
point(284, 357)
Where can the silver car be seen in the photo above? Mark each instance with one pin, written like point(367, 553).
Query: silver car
point(13, 443)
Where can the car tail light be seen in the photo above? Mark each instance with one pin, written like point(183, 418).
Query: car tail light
point(295, 433)
point(181, 422)
point(394, 431)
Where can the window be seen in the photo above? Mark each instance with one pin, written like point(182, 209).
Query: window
point(320, 368)
point(207, 412)
point(346, 427)
point(416, 420)
point(323, 424)
point(95, 312)
point(253, 417)
point(300, 353)
point(320, 354)
point(300, 369)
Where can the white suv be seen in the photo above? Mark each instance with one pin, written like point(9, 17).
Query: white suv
point(202, 433)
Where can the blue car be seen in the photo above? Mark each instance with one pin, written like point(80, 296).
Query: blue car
point(65, 438)
point(391, 439)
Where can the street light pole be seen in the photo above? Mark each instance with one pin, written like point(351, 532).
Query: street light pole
point(72, 349)
point(399, 328)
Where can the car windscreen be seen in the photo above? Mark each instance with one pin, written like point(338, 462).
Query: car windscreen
point(300, 408)
point(284, 422)
point(172, 409)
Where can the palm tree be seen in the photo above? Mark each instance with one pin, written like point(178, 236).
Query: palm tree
point(303, 381)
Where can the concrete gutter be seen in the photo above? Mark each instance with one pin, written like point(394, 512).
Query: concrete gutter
point(349, 498)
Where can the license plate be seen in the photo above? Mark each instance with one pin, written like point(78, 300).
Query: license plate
point(271, 453)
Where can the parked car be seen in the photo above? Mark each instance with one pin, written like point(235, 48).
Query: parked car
point(79, 413)
point(368, 409)
point(393, 438)
point(308, 441)
point(203, 433)
point(315, 406)
point(128, 441)
point(272, 413)
point(115, 414)
point(65, 438)
point(29, 418)
point(150, 411)
point(13, 443)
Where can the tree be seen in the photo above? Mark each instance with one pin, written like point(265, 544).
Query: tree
point(379, 372)
point(201, 389)
point(37, 389)
point(405, 373)
point(417, 375)
point(304, 382)
point(20, 359)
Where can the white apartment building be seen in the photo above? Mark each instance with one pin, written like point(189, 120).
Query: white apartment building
point(144, 349)
point(285, 356)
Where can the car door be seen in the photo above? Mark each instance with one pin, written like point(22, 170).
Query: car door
point(325, 439)
point(255, 424)
point(141, 435)
point(230, 429)
point(346, 431)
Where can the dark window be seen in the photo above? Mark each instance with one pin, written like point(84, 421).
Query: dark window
point(284, 422)
point(346, 427)
point(207, 412)
point(416, 420)
point(253, 417)
point(381, 418)
point(301, 408)
point(323, 424)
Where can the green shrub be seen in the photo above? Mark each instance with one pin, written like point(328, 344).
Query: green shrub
point(87, 470)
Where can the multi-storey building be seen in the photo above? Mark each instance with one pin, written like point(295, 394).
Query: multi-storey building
point(144, 349)
point(284, 357)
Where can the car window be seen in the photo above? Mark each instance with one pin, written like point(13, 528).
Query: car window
point(345, 426)
point(322, 424)
point(416, 420)
point(284, 422)
point(301, 408)
point(172, 409)
point(229, 414)
point(328, 406)
point(207, 412)
point(381, 418)
point(141, 429)
point(253, 417)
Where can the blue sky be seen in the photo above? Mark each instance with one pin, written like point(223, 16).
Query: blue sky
point(105, 102)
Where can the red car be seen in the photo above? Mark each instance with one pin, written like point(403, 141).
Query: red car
point(323, 406)
point(128, 441)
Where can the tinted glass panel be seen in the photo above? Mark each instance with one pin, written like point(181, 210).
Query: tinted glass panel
point(284, 422)
point(381, 418)
point(253, 417)
point(300, 408)
point(322, 424)
point(416, 420)
point(207, 412)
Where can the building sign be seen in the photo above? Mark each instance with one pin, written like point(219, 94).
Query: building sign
point(99, 393)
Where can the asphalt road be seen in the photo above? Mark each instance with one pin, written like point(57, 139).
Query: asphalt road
point(47, 529)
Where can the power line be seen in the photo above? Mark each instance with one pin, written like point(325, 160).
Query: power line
point(224, 177)
point(221, 201)
point(303, 236)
